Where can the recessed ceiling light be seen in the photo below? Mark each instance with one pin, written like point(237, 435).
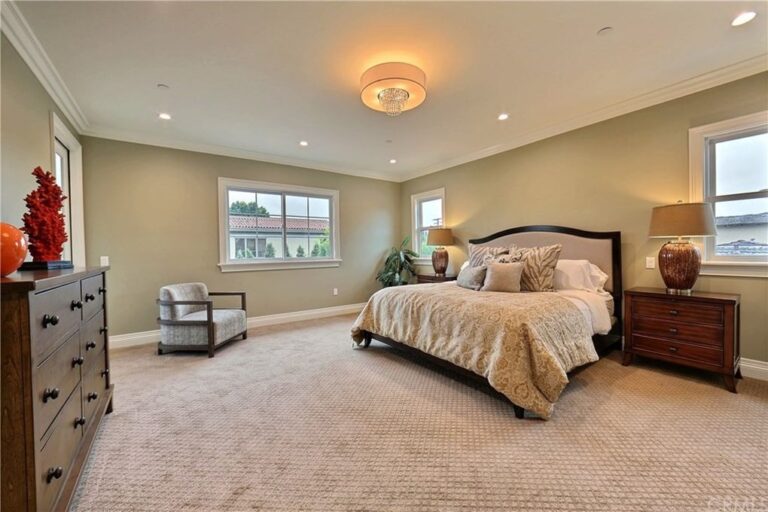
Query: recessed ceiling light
point(743, 18)
point(164, 116)
point(303, 143)
point(605, 31)
point(163, 86)
point(503, 116)
point(392, 161)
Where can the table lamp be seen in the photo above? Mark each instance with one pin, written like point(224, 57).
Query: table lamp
point(440, 237)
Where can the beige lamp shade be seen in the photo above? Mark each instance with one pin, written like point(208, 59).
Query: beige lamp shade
point(682, 220)
point(440, 236)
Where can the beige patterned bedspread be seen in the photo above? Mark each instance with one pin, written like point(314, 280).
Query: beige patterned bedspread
point(523, 343)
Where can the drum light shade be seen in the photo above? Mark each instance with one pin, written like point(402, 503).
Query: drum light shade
point(393, 87)
point(440, 236)
point(682, 220)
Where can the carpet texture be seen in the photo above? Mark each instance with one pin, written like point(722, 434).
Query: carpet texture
point(295, 419)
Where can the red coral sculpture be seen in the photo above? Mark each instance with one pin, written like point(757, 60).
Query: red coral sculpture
point(44, 223)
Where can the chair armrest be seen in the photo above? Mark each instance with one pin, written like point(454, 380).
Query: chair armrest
point(220, 294)
point(208, 309)
point(183, 302)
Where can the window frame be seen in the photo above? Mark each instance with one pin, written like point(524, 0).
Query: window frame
point(231, 265)
point(701, 181)
point(416, 200)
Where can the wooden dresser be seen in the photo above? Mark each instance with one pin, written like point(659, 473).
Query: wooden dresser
point(55, 383)
point(700, 330)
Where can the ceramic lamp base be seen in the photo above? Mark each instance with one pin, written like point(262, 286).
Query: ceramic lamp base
point(440, 261)
point(679, 265)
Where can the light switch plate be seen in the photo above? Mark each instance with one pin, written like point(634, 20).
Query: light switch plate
point(650, 262)
point(104, 261)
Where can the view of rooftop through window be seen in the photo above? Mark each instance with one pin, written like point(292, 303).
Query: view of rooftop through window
point(739, 192)
point(258, 228)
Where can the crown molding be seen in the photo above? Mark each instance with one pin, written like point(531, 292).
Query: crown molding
point(21, 36)
point(743, 69)
point(215, 149)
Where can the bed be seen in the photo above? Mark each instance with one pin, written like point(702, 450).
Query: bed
point(522, 345)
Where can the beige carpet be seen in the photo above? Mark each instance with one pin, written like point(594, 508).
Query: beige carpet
point(295, 419)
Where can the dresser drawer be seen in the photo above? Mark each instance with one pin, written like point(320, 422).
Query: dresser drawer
point(56, 456)
point(53, 381)
point(53, 314)
point(677, 350)
point(93, 295)
point(92, 340)
point(697, 312)
point(94, 387)
point(695, 333)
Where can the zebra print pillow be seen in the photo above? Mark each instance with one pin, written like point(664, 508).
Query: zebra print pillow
point(538, 267)
point(478, 254)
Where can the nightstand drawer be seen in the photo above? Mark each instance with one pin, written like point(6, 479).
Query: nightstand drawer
point(693, 333)
point(677, 310)
point(676, 350)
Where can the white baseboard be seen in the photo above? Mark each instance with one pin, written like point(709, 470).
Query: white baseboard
point(754, 369)
point(134, 339)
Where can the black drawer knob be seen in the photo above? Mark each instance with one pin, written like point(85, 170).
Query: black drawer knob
point(103, 330)
point(105, 372)
point(54, 474)
point(77, 361)
point(89, 297)
point(79, 422)
point(672, 330)
point(50, 320)
point(92, 396)
point(50, 394)
point(673, 349)
point(76, 304)
point(102, 290)
point(90, 345)
point(674, 312)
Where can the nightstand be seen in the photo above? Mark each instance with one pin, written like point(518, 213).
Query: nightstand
point(699, 330)
point(432, 278)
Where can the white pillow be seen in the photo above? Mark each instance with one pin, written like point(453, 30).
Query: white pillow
point(579, 275)
point(464, 265)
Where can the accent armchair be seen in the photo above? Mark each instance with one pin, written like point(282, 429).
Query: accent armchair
point(189, 322)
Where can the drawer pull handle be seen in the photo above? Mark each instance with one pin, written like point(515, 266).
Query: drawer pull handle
point(673, 349)
point(89, 297)
point(673, 330)
point(79, 422)
point(54, 474)
point(50, 320)
point(50, 394)
point(105, 372)
point(92, 396)
point(77, 361)
point(90, 345)
point(76, 304)
point(102, 290)
point(674, 312)
point(104, 330)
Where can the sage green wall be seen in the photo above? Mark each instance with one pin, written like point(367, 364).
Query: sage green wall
point(603, 177)
point(154, 212)
point(25, 128)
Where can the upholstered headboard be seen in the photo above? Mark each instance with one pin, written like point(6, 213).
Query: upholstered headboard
point(601, 248)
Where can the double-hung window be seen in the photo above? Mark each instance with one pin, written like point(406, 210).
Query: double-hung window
point(267, 226)
point(428, 211)
point(729, 169)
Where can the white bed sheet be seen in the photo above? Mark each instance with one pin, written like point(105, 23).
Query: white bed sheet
point(594, 307)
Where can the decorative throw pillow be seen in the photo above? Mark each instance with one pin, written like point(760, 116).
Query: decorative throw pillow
point(503, 277)
point(538, 267)
point(478, 253)
point(471, 278)
point(500, 258)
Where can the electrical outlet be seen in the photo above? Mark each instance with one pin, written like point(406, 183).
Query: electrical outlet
point(104, 261)
point(335, 291)
point(650, 262)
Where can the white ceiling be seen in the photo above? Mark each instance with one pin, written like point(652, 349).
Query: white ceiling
point(253, 79)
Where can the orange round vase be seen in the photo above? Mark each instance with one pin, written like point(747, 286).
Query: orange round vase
point(13, 249)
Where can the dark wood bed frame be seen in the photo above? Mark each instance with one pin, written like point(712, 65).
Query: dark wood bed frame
point(603, 343)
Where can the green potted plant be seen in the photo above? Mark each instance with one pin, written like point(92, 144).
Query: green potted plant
point(399, 261)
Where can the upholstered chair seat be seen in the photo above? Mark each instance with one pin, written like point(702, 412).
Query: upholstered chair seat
point(188, 320)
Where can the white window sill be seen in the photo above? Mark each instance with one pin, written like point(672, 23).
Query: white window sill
point(734, 269)
point(252, 266)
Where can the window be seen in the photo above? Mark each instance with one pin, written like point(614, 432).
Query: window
point(729, 168)
point(67, 165)
point(266, 226)
point(428, 211)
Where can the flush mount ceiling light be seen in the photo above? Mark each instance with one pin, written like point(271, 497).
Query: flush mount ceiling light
point(164, 116)
point(393, 87)
point(303, 143)
point(743, 18)
point(503, 116)
point(392, 161)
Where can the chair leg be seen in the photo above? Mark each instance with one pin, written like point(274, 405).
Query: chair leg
point(210, 352)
